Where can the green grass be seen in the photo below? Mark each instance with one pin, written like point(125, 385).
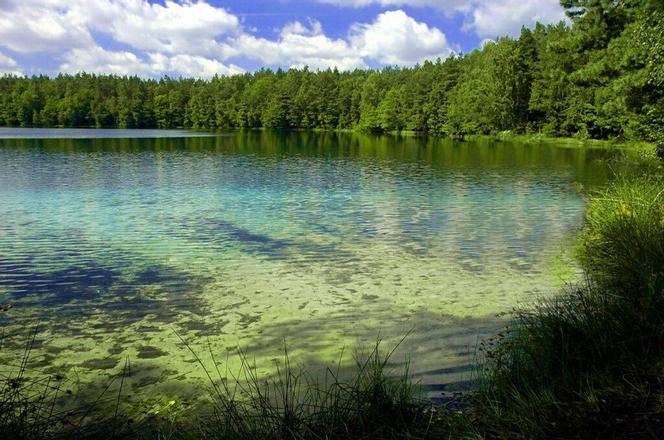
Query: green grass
point(622, 246)
point(26, 405)
point(641, 148)
point(38, 406)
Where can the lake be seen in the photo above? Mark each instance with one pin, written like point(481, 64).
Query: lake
point(112, 241)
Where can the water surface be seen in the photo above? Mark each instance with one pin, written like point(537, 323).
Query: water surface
point(111, 243)
point(94, 133)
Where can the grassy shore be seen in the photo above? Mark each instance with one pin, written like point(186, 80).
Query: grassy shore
point(647, 149)
point(588, 363)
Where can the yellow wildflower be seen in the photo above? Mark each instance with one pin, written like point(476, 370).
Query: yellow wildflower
point(624, 209)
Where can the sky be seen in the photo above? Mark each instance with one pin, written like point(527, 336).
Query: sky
point(203, 38)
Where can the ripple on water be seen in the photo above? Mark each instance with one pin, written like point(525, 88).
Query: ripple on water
point(111, 246)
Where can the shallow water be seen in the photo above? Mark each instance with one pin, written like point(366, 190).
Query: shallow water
point(111, 245)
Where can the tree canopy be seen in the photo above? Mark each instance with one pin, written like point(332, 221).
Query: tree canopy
point(601, 75)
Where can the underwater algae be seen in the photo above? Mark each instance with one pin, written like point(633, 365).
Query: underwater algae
point(111, 250)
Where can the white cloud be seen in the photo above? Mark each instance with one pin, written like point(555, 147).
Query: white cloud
point(35, 26)
point(298, 46)
point(181, 37)
point(8, 65)
point(485, 18)
point(438, 4)
point(195, 38)
point(99, 60)
point(396, 38)
point(393, 38)
point(191, 66)
point(171, 28)
point(41, 25)
point(298, 28)
point(496, 18)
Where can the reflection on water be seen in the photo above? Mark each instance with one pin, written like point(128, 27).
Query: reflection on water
point(93, 133)
point(326, 240)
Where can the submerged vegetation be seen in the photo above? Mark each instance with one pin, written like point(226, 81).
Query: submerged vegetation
point(370, 403)
point(586, 364)
point(601, 77)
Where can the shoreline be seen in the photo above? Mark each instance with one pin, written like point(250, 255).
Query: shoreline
point(646, 147)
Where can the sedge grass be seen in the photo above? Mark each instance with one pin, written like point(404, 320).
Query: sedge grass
point(590, 362)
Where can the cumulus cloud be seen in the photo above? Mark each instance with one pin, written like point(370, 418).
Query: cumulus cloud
point(297, 28)
point(392, 38)
point(195, 38)
point(438, 4)
point(171, 28)
point(298, 46)
point(35, 26)
point(98, 60)
point(186, 37)
point(485, 18)
point(191, 66)
point(493, 19)
point(40, 25)
point(298, 50)
point(396, 38)
point(8, 65)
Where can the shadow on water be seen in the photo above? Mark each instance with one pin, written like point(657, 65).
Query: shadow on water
point(440, 349)
point(215, 231)
point(449, 341)
point(221, 233)
point(125, 291)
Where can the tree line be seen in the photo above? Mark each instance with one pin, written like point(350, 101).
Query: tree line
point(600, 75)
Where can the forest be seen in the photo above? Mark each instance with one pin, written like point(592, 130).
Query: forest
point(600, 75)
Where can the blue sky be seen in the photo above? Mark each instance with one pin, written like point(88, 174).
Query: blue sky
point(208, 37)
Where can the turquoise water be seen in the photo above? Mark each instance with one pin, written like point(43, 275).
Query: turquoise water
point(110, 245)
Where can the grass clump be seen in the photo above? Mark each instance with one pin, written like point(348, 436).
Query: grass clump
point(590, 363)
point(39, 406)
point(622, 246)
point(27, 404)
point(373, 403)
